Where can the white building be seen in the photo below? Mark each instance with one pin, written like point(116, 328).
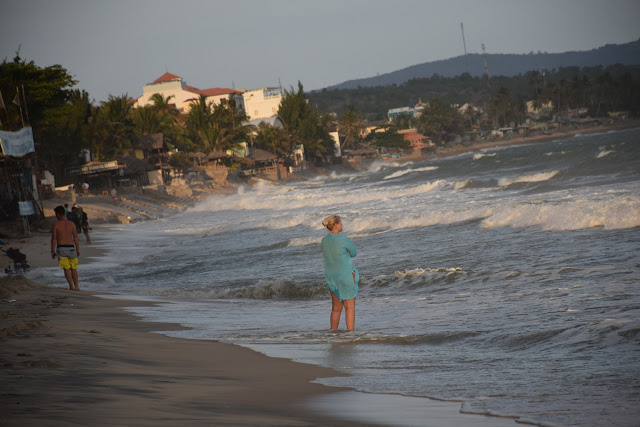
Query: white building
point(411, 111)
point(170, 85)
point(262, 103)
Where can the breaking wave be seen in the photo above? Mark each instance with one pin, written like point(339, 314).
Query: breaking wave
point(408, 171)
point(617, 213)
point(538, 177)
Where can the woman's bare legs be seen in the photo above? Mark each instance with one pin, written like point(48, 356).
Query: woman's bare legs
point(336, 311)
point(350, 313)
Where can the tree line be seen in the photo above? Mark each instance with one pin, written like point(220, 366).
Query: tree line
point(600, 90)
point(67, 124)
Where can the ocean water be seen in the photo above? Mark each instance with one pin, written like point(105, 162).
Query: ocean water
point(507, 280)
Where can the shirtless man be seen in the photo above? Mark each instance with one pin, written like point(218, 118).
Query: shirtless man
point(65, 244)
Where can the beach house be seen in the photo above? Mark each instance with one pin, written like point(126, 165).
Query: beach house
point(262, 103)
point(410, 111)
point(182, 95)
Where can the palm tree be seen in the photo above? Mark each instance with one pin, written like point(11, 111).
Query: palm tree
point(199, 123)
point(161, 103)
point(350, 124)
point(147, 120)
point(116, 127)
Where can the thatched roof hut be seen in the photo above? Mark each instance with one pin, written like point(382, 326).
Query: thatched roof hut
point(216, 154)
point(259, 155)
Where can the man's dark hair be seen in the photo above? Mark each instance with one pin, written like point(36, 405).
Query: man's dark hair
point(59, 210)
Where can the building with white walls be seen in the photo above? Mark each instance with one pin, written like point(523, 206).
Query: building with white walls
point(170, 85)
point(262, 103)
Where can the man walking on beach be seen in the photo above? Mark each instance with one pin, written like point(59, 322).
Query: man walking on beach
point(65, 244)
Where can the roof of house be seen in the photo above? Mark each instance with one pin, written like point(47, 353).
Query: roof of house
point(215, 154)
point(259, 155)
point(214, 91)
point(167, 77)
point(197, 154)
point(413, 137)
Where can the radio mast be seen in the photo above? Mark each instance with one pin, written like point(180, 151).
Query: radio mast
point(486, 67)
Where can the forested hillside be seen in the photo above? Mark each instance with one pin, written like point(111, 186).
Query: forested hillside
point(504, 64)
point(598, 88)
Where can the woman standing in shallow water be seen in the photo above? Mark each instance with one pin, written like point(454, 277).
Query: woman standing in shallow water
point(341, 276)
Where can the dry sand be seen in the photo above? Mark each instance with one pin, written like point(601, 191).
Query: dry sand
point(71, 358)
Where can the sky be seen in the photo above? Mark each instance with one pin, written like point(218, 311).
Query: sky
point(115, 47)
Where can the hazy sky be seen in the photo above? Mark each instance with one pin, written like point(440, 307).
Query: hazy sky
point(113, 47)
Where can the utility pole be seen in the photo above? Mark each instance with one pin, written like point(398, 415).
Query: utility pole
point(486, 67)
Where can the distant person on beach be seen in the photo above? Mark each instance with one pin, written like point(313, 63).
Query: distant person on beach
point(65, 244)
point(85, 188)
point(114, 195)
point(341, 276)
point(73, 217)
point(83, 219)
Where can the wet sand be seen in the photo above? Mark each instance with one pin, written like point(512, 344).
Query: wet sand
point(73, 358)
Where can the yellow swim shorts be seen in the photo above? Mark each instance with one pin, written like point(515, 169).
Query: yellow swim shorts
point(68, 263)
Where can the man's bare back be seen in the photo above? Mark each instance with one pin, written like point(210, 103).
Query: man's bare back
point(64, 233)
point(65, 244)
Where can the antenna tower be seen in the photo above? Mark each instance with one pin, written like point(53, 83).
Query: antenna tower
point(486, 67)
point(464, 43)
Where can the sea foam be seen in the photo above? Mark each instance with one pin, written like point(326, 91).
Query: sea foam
point(538, 177)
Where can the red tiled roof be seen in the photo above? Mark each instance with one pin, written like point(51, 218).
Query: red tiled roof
point(167, 77)
point(413, 137)
point(215, 91)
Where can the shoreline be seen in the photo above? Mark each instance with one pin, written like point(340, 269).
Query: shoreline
point(72, 358)
point(516, 140)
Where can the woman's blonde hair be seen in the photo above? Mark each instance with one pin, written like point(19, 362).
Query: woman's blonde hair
point(330, 221)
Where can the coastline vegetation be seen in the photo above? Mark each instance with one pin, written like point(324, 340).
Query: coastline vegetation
point(66, 123)
point(598, 89)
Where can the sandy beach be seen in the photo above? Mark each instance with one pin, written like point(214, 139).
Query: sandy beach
point(72, 358)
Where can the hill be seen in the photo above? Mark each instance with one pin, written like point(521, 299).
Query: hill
point(504, 65)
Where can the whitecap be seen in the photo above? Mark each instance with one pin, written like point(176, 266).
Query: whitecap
point(407, 171)
point(538, 177)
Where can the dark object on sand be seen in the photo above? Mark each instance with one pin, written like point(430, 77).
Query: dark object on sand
point(19, 259)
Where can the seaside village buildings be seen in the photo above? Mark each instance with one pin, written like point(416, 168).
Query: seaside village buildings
point(260, 105)
point(23, 186)
point(257, 103)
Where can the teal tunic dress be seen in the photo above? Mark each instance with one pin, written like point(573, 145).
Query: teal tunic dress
point(337, 251)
